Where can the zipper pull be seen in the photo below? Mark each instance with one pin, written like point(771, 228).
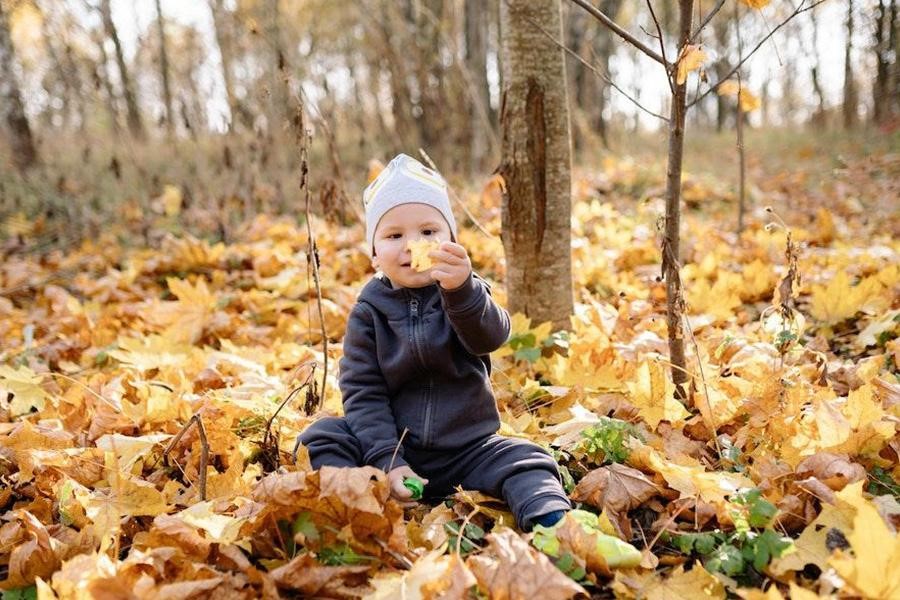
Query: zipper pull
point(414, 307)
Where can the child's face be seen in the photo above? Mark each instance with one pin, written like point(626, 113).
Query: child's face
point(398, 226)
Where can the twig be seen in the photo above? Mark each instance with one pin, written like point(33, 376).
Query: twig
point(287, 399)
point(204, 449)
point(455, 197)
point(703, 23)
point(715, 86)
point(594, 70)
point(397, 449)
point(662, 46)
point(598, 14)
point(705, 388)
point(404, 562)
point(312, 255)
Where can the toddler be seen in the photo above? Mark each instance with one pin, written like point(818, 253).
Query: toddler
point(415, 375)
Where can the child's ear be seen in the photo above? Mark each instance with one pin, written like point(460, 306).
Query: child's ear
point(376, 263)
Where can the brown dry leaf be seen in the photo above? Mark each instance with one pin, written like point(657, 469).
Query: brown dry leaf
point(308, 577)
point(35, 555)
point(357, 499)
point(615, 489)
point(834, 470)
point(511, 569)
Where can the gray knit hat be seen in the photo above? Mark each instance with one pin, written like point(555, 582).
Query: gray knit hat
point(404, 181)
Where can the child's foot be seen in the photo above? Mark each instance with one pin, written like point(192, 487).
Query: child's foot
point(615, 552)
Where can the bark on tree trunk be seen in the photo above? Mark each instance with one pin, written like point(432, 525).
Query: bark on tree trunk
point(164, 72)
point(222, 25)
point(135, 125)
point(476, 19)
point(536, 163)
point(24, 153)
point(101, 77)
point(671, 258)
point(850, 96)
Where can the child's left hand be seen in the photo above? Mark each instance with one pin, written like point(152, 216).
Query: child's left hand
point(451, 265)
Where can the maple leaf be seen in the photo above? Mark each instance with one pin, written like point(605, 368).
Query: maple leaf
point(653, 395)
point(690, 59)
point(25, 386)
point(312, 579)
point(511, 568)
point(419, 250)
point(34, 556)
point(433, 575)
point(757, 4)
point(873, 570)
point(679, 585)
point(838, 300)
point(615, 489)
point(695, 481)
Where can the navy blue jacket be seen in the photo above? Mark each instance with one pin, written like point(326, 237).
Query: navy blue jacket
point(417, 359)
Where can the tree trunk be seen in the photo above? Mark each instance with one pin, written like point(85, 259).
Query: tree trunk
point(671, 256)
point(884, 89)
point(101, 78)
point(850, 97)
point(476, 19)
point(279, 91)
point(536, 163)
point(164, 72)
point(222, 23)
point(135, 125)
point(24, 153)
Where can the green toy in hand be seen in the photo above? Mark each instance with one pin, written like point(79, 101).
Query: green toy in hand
point(414, 485)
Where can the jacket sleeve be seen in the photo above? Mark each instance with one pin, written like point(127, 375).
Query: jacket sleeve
point(367, 405)
point(481, 324)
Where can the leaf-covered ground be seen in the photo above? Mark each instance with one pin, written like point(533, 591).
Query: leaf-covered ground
point(778, 480)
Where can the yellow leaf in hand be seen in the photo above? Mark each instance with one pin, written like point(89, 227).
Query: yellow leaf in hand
point(420, 249)
point(692, 58)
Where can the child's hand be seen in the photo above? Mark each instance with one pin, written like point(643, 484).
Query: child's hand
point(399, 491)
point(451, 265)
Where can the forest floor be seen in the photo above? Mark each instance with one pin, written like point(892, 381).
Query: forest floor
point(779, 479)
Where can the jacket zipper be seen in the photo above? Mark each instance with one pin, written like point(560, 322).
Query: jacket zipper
point(414, 313)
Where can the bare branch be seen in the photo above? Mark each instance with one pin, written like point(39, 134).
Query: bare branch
point(800, 9)
point(662, 46)
point(707, 19)
point(594, 70)
point(598, 14)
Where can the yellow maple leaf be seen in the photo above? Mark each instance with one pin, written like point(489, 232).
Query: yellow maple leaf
point(728, 88)
point(692, 481)
point(838, 300)
point(873, 570)
point(691, 58)
point(696, 584)
point(653, 395)
point(748, 101)
point(25, 386)
point(757, 4)
point(420, 249)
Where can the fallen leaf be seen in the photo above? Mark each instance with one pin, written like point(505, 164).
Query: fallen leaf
point(511, 569)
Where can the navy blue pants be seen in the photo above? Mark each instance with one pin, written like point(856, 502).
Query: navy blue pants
point(521, 473)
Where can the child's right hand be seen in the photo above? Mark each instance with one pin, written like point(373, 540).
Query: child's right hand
point(398, 491)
